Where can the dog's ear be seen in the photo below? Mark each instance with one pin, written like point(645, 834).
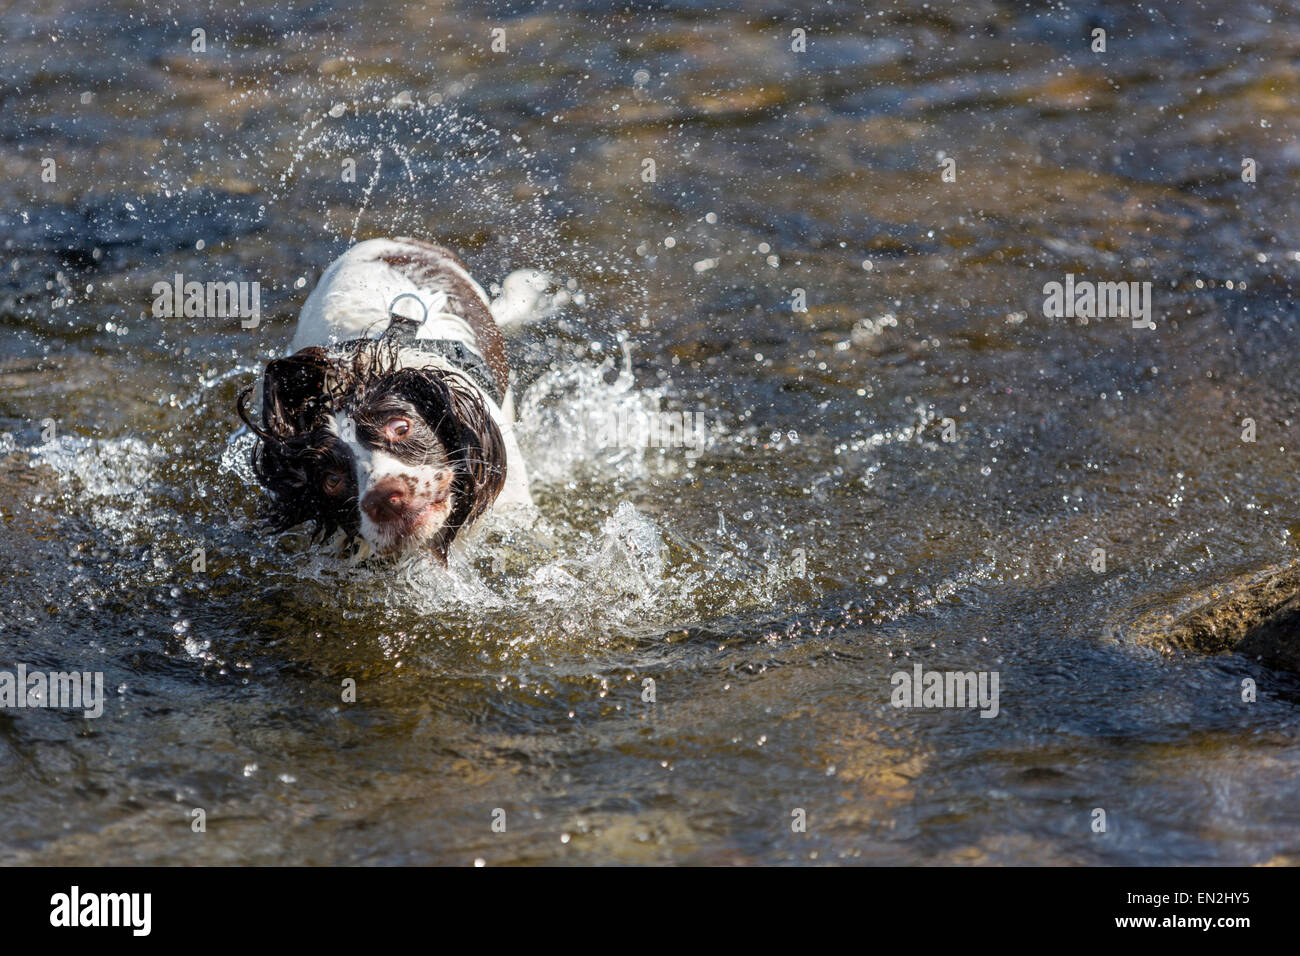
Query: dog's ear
point(460, 418)
point(482, 452)
point(295, 390)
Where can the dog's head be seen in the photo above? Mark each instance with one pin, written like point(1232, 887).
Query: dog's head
point(403, 458)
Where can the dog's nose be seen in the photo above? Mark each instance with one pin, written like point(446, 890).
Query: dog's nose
point(387, 501)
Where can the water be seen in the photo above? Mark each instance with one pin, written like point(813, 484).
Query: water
point(516, 682)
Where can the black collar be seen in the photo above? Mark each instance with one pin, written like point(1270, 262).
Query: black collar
point(464, 359)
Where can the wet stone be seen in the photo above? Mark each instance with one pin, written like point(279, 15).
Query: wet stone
point(1257, 615)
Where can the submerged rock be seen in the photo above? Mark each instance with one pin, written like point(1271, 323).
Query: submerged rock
point(1256, 614)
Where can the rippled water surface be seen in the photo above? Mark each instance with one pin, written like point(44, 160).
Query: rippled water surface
point(825, 537)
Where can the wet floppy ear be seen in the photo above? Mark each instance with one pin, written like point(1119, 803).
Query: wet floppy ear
point(484, 450)
point(462, 422)
point(294, 390)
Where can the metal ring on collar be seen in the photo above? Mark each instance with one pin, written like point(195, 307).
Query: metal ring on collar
point(408, 295)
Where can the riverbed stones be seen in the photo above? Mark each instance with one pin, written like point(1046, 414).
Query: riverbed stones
point(1257, 614)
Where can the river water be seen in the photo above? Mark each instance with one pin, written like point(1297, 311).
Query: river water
point(909, 461)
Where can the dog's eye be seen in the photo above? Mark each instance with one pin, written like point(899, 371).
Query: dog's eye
point(333, 482)
point(397, 429)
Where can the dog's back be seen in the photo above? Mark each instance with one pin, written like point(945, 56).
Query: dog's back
point(355, 294)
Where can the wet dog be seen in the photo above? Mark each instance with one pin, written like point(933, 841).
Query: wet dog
point(390, 421)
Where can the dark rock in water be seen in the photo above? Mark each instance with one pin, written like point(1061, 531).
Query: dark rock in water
point(1257, 615)
point(114, 231)
point(109, 229)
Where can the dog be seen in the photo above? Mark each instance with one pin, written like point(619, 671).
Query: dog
point(390, 421)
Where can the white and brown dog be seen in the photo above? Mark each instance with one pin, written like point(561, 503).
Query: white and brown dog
point(391, 418)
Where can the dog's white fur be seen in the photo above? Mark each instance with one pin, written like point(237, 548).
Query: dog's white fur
point(352, 301)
